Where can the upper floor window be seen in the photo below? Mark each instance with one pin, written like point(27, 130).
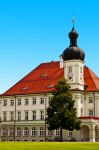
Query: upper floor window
point(90, 99)
point(19, 101)
point(81, 99)
point(81, 112)
point(5, 102)
point(11, 115)
point(4, 115)
point(26, 101)
point(19, 115)
point(69, 69)
point(91, 112)
point(12, 102)
point(34, 115)
point(42, 100)
point(34, 100)
point(42, 114)
point(50, 98)
point(26, 115)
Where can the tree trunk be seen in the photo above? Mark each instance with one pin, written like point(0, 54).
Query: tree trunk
point(61, 134)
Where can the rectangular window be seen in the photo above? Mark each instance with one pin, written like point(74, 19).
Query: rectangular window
point(11, 115)
point(42, 114)
point(5, 102)
point(50, 98)
point(42, 131)
point(91, 113)
point(42, 100)
point(19, 102)
point(26, 102)
point(12, 102)
point(69, 69)
point(26, 115)
point(4, 115)
point(70, 133)
point(57, 132)
point(19, 115)
point(81, 99)
point(34, 101)
point(34, 115)
point(90, 99)
point(81, 112)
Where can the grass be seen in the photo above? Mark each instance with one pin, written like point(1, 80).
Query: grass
point(48, 146)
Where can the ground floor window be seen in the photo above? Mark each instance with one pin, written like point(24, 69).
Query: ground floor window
point(34, 132)
point(26, 131)
point(18, 131)
point(42, 131)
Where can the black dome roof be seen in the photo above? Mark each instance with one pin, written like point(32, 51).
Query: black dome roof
point(73, 51)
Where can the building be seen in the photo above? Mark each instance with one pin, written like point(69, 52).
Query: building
point(23, 106)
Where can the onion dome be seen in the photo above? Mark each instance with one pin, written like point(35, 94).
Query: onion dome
point(73, 51)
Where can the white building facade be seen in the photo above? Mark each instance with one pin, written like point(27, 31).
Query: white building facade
point(23, 106)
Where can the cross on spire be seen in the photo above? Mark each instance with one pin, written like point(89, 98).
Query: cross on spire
point(73, 20)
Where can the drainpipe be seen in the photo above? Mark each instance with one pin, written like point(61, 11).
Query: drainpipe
point(45, 115)
point(15, 118)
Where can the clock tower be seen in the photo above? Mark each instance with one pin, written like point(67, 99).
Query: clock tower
point(73, 62)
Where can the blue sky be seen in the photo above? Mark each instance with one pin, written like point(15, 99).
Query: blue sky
point(36, 31)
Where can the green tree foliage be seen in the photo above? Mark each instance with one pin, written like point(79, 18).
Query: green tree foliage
point(61, 112)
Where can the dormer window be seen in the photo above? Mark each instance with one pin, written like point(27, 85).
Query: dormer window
point(43, 75)
point(24, 88)
point(50, 86)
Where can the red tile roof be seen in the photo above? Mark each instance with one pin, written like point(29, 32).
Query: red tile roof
point(44, 77)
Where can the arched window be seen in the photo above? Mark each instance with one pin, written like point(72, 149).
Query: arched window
point(18, 131)
point(11, 132)
point(42, 131)
point(26, 131)
point(4, 132)
point(34, 132)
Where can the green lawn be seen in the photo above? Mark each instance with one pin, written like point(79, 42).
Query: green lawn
point(48, 146)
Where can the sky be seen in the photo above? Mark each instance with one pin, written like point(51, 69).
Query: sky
point(36, 31)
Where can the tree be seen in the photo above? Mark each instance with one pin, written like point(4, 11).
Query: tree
point(61, 112)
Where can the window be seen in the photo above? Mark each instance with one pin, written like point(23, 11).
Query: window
point(50, 98)
point(19, 101)
point(11, 115)
point(4, 132)
point(42, 114)
point(49, 132)
point(42, 100)
point(4, 115)
point(58, 132)
point(90, 99)
point(26, 115)
point(81, 70)
point(19, 115)
point(11, 132)
point(26, 131)
point(81, 112)
point(12, 102)
point(26, 101)
point(33, 131)
point(42, 131)
point(34, 101)
point(18, 131)
point(81, 99)
point(91, 112)
point(70, 133)
point(5, 102)
point(69, 69)
point(34, 115)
